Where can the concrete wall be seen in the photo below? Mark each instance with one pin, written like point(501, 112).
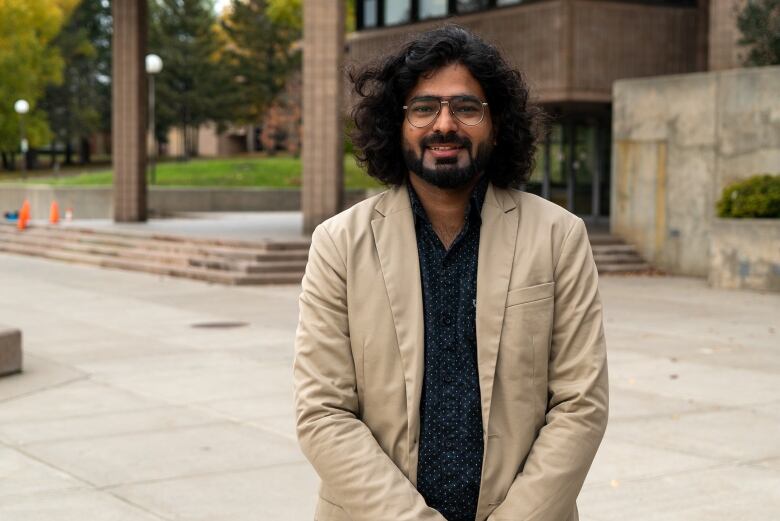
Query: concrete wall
point(677, 141)
point(745, 254)
point(97, 203)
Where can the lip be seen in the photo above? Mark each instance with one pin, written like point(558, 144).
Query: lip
point(444, 150)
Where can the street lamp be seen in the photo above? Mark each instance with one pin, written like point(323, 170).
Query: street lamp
point(22, 107)
point(154, 65)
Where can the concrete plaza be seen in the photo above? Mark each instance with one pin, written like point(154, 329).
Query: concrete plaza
point(135, 405)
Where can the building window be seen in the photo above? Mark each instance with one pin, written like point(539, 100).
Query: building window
point(469, 6)
point(432, 8)
point(397, 12)
point(369, 13)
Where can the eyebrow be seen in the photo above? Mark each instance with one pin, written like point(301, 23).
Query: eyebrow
point(434, 96)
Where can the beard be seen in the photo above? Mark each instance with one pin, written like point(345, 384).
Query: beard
point(446, 172)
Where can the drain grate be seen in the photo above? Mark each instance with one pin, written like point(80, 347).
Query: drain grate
point(219, 325)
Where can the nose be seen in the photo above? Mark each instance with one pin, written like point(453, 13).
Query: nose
point(445, 122)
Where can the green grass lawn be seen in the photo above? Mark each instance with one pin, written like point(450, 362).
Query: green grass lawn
point(273, 172)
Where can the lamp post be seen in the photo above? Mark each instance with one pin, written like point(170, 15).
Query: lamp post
point(154, 65)
point(22, 107)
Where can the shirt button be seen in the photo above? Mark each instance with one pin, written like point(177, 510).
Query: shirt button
point(448, 378)
point(446, 320)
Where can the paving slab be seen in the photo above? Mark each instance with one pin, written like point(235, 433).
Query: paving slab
point(735, 435)
point(21, 433)
point(126, 411)
point(280, 492)
point(22, 475)
point(249, 408)
point(725, 493)
point(39, 374)
point(167, 453)
point(75, 505)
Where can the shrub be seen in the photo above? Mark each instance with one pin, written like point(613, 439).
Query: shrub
point(757, 196)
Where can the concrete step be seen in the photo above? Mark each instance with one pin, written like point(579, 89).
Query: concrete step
point(612, 248)
point(225, 262)
point(272, 244)
point(613, 255)
point(181, 255)
point(624, 267)
point(230, 262)
point(297, 266)
point(257, 251)
point(159, 268)
point(617, 258)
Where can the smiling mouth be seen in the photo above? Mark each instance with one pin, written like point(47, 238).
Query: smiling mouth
point(443, 148)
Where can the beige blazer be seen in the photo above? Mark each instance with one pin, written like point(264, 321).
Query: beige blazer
point(358, 367)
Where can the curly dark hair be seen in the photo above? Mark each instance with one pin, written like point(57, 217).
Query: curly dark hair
point(383, 86)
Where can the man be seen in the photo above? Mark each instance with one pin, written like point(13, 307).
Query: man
point(450, 357)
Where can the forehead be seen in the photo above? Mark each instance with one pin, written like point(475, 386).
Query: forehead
point(450, 80)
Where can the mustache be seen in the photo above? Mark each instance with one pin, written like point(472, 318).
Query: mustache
point(449, 138)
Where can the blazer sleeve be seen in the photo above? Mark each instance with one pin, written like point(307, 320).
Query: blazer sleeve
point(354, 469)
point(546, 489)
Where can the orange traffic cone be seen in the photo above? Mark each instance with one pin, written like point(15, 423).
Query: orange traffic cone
point(54, 213)
point(24, 216)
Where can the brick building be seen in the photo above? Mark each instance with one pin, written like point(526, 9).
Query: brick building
point(571, 52)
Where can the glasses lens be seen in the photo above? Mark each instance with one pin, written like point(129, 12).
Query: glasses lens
point(422, 112)
point(468, 111)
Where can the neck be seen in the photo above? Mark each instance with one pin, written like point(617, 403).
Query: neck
point(446, 208)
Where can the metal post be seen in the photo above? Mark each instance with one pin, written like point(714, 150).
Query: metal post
point(153, 154)
point(23, 146)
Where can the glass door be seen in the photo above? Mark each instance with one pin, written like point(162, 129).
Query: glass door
point(572, 167)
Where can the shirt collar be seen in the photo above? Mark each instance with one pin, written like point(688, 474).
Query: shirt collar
point(473, 211)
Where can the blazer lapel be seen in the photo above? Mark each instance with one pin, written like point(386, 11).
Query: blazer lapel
point(396, 243)
point(498, 237)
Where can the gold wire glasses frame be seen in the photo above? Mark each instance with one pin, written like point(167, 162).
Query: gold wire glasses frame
point(421, 112)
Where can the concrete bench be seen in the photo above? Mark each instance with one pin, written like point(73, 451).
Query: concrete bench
point(10, 350)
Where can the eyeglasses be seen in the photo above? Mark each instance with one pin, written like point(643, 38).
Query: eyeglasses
point(423, 111)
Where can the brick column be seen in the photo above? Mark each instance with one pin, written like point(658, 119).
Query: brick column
point(129, 99)
point(323, 139)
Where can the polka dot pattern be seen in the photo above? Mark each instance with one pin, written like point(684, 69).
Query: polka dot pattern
point(451, 443)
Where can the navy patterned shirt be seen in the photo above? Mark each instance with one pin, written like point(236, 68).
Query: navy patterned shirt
point(451, 443)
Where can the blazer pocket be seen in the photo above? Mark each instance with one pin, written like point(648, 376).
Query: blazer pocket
point(518, 296)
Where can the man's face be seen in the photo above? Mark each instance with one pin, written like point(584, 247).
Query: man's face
point(447, 153)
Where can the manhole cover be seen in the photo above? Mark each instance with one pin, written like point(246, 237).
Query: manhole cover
point(219, 325)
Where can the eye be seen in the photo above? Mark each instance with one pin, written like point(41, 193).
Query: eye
point(467, 107)
point(422, 109)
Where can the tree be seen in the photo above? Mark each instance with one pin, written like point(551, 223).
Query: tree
point(193, 87)
point(81, 105)
point(27, 65)
point(759, 24)
point(259, 51)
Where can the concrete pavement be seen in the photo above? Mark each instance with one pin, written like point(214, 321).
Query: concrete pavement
point(135, 405)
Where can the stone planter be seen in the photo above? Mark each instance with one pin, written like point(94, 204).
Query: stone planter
point(745, 254)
